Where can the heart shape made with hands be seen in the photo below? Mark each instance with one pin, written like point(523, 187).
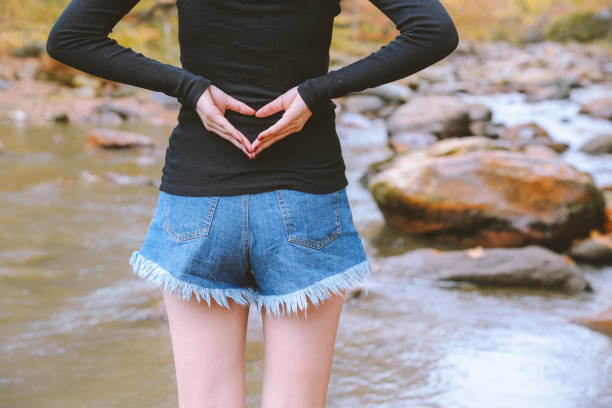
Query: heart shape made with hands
point(284, 115)
point(281, 117)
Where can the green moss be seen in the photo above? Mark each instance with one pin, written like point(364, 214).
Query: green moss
point(580, 26)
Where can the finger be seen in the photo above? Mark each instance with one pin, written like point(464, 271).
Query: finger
point(267, 143)
point(224, 133)
point(264, 144)
point(239, 106)
point(274, 136)
point(270, 108)
point(231, 131)
point(222, 120)
point(283, 122)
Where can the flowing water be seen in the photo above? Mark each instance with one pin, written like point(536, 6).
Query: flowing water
point(75, 330)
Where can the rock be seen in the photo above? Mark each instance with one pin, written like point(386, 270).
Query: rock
point(458, 145)
point(355, 292)
point(541, 93)
point(123, 112)
point(479, 111)
point(123, 90)
point(85, 92)
point(363, 103)
point(108, 119)
point(532, 77)
point(608, 197)
point(391, 91)
point(27, 71)
point(165, 100)
point(487, 197)
point(129, 180)
point(596, 249)
point(110, 138)
point(601, 144)
point(600, 321)
point(87, 177)
point(539, 151)
point(600, 108)
point(4, 84)
point(531, 266)
point(31, 50)
point(532, 133)
point(448, 87)
point(61, 117)
point(494, 130)
point(443, 116)
point(50, 69)
point(86, 85)
point(405, 141)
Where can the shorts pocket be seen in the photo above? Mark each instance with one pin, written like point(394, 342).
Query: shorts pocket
point(311, 220)
point(187, 217)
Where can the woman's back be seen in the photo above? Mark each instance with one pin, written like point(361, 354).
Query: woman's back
point(254, 50)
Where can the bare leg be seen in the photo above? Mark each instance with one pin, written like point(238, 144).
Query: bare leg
point(208, 344)
point(298, 355)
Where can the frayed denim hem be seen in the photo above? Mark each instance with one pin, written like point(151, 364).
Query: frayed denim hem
point(157, 275)
point(316, 292)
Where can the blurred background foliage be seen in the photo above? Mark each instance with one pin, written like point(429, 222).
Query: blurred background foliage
point(151, 27)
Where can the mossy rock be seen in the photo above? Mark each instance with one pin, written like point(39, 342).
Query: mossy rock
point(580, 26)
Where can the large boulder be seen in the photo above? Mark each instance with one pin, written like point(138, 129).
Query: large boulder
point(528, 267)
point(488, 197)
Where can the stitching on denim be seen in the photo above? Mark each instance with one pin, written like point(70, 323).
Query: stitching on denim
point(305, 242)
point(195, 234)
point(245, 218)
point(282, 206)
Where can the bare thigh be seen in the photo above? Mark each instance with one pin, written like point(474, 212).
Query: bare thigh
point(208, 344)
point(298, 355)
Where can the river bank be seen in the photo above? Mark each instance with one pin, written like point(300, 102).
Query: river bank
point(444, 321)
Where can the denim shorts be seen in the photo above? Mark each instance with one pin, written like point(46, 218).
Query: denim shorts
point(274, 249)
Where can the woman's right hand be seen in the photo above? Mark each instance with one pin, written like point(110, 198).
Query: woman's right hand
point(211, 108)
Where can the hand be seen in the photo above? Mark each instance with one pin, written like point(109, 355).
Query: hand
point(211, 107)
point(293, 120)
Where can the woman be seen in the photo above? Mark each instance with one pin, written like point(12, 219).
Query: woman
point(252, 208)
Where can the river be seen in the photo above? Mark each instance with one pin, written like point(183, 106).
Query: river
point(75, 325)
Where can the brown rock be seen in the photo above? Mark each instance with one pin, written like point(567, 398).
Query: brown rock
point(443, 116)
point(600, 108)
point(600, 321)
point(406, 141)
point(491, 198)
point(532, 133)
point(111, 138)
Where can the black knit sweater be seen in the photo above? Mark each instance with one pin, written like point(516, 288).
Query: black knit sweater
point(254, 50)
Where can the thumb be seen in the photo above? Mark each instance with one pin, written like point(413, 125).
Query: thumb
point(238, 106)
point(272, 107)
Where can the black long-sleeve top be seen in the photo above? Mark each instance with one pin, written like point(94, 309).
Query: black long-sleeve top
point(254, 50)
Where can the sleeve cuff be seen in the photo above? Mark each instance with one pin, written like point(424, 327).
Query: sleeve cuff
point(317, 92)
point(194, 92)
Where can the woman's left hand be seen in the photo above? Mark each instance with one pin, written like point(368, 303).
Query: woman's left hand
point(293, 120)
